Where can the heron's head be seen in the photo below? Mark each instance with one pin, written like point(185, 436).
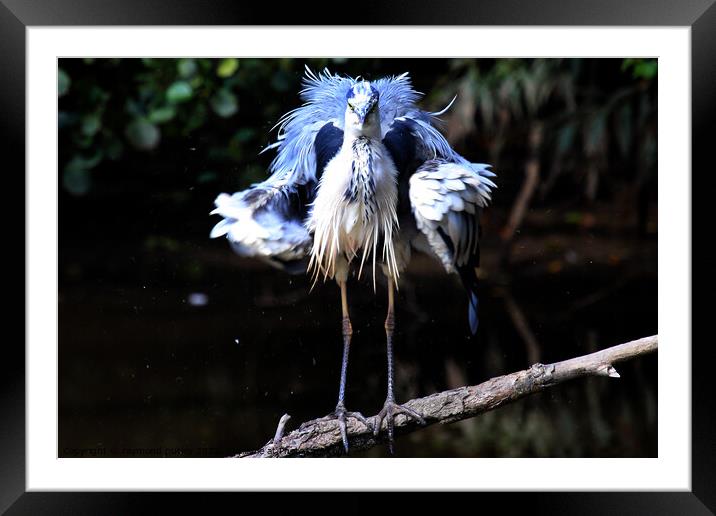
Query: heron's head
point(362, 110)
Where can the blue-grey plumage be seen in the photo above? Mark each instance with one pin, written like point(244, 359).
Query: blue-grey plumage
point(271, 219)
point(362, 175)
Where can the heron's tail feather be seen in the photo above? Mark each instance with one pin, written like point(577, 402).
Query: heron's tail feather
point(264, 222)
point(469, 280)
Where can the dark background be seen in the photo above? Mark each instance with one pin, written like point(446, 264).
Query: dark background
point(145, 370)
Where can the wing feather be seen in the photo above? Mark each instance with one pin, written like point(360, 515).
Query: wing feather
point(443, 196)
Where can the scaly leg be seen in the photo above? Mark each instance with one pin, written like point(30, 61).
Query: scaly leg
point(340, 413)
point(390, 408)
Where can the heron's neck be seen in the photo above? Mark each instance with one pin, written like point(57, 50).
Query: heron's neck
point(350, 134)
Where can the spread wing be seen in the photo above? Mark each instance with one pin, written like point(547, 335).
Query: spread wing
point(301, 131)
point(446, 199)
point(266, 220)
point(444, 192)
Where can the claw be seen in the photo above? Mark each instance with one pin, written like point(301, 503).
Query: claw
point(344, 432)
point(388, 412)
point(341, 415)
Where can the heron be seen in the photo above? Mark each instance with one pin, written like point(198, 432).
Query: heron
point(362, 177)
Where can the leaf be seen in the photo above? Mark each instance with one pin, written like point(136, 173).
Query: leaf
point(63, 82)
point(227, 67)
point(91, 123)
point(76, 175)
point(641, 68)
point(627, 63)
point(646, 69)
point(178, 92)
point(77, 181)
point(142, 134)
point(162, 114)
point(90, 162)
point(224, 103)
point(186, 68)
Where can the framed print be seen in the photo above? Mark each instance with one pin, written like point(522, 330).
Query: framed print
point(436, 250)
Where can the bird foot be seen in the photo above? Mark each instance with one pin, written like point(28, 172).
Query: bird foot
point(342, 415)
point(389, 411)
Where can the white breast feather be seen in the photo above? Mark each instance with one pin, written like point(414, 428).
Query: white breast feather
point(342, 226)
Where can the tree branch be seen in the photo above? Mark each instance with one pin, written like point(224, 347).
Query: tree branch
point(322, 438)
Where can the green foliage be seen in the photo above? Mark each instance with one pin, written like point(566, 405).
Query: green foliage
point(227, 67)
point(186, 68)
point(178, 92)
point(582, 114)
point(224, 103)
point(162, 114)
point(143, 134)
point(211, 117)
point(76, 178)
point(109, 107)
point(63, 82)
point(641, 68)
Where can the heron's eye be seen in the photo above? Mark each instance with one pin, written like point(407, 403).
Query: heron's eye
point(351, 107)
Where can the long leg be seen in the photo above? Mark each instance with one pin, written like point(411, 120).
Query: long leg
point(340, 413)
point(390, 408)
point(347, 335)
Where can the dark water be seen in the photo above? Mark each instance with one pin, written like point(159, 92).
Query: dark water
point(182, 349)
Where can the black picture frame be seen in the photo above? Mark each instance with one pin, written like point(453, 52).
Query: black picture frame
point(17, 15)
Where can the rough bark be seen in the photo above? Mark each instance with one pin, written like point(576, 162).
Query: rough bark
point(322, 438)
